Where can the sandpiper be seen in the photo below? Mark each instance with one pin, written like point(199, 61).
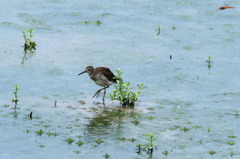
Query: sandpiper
point(102, 76)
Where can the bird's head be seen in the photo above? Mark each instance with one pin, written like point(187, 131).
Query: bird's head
point(88, 70)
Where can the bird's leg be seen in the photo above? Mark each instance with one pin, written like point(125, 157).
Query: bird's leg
point(97, 93)
point(104, 95)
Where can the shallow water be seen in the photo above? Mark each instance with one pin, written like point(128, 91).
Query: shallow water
point(189, 108)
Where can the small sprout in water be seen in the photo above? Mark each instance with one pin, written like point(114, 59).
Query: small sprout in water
point(98, 22)
point(132, 139)
point(55, 134)
point(209, 62)
point(39, 132)
point(139, 148)
point(106, 155)
point(151, 108)
point(46, 126)
point(232, 154)
point(136, 122)
point(37, 117)
point(42, 146)
point(122, 139)
point(77, 152)
point(69, 140)
point(15, 99)
point(173, 28)
point(185, 129)
point(79, 143)
point(27, 131)
point(99, 141)
point(232, 136)
point(231, 143)
point(6, 105)
point(158, 29)
point(209, 130)
point(187, 48)
point(165, 153)
point(49, 133)
point(150, 117)
point(197, 127)
point(211, 152)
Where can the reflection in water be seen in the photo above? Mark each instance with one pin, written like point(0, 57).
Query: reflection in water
point(109, 119)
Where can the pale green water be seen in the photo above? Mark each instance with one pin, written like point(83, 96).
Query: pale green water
point(181, 93)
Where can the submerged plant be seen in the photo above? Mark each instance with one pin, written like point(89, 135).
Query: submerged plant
point(15, 99)
point(106, 156)
point(29, 45)
point(79, 143)
point(99, 141)
point(123, 91)
point(209, 62)
point(39, 132)
point(211, 152)
point(69, 140)
point(148, 148)
point(158, 29)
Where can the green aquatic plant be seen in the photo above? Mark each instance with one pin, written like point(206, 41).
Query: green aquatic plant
point(187, 48)
point(79, 143)
point(136, 122)
point(106, 156)
point(29, 45)
point(184, 129)
point(46, 126)
point(99, 141)
point(69, 140)
point(123, 91)
point(42, 146)
point(132, 139)
point(232, 136)
point(165, 153)
point(40, 132)
point(6, 105)
point(173, 28)
point(158, 29)
point(211, 152)
point(150, 117)
point(209, 62)
point(27, 131)
point(122, 139)
point(97, 22)
point(77, 152)
point(231, 143)
point(232, 154)
point(148, 148)
point(15, 99)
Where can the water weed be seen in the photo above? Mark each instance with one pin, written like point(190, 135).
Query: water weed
point(15, 99)
point(106, 156)
point(209, 62)
point(148, 148)
point(29, 45)
point(123, 91)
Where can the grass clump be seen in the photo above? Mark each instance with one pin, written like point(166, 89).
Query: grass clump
point(123, 91)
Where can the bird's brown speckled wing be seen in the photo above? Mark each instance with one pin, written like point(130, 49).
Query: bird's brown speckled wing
point(107, 73)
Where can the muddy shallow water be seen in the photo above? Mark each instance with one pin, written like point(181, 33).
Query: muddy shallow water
point(191, 109)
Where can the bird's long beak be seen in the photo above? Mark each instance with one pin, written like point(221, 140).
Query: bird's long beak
point(82, 72)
